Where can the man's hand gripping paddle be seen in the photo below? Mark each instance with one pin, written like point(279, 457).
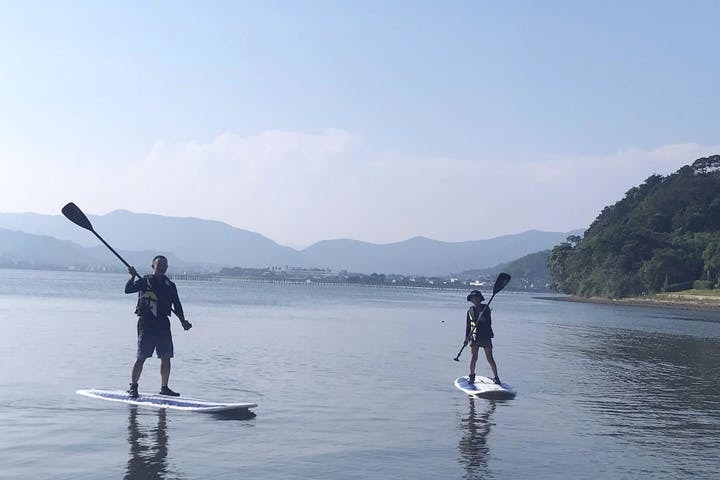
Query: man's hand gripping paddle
point(501, 282)
point(73, 213)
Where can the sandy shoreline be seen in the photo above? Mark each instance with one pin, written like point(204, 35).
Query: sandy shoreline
point(682, 302)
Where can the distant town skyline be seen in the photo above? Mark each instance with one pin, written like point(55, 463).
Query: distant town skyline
point(374, 121)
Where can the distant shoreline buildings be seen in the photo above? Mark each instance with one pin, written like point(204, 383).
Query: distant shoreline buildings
point(312, 276)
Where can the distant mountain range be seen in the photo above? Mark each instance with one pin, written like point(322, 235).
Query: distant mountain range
point(198, 244)
point(40, 251)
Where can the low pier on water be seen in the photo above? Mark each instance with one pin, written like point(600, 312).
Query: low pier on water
point(203, 277)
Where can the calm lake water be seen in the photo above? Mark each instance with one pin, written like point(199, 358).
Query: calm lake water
point(353, 383)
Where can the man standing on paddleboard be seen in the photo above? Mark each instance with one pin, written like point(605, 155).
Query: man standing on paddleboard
point(478, 331)
point(157, 296)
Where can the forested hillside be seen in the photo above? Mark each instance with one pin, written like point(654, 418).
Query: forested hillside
point(664, 235)
point(528, 273)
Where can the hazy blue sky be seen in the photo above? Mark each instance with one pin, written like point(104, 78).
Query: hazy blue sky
point(377, 121)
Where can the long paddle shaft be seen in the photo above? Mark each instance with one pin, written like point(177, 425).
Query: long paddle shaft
point(73, 213)
point(501, 282)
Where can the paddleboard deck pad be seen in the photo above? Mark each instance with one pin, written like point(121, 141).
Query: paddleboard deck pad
point(484, 387)
point(163, 401)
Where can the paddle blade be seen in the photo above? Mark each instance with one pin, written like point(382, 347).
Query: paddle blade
point(501, 282)
point(73, 213)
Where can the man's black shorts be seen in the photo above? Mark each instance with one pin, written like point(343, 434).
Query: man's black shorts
point(150, 340)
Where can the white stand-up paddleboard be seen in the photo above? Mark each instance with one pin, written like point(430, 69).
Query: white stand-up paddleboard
point(164, 401)
point(484, 387)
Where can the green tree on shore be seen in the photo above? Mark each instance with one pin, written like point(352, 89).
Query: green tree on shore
point(662, 235)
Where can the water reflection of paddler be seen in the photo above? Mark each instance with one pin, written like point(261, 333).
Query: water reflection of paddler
point(473, 442)
point(148, 448)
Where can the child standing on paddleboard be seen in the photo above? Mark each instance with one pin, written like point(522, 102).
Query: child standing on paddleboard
point(478, 332)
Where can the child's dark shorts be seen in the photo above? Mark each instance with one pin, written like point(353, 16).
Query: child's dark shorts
point(482, 342)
